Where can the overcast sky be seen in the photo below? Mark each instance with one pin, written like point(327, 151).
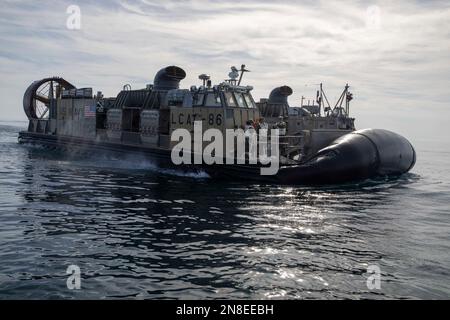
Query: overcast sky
point(394, 54)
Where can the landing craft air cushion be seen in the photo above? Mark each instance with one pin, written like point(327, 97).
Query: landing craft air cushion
point(318, 141)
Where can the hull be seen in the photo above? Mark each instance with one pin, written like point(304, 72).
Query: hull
point(355, 156)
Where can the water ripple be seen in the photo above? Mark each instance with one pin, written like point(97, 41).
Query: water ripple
point(140, 232)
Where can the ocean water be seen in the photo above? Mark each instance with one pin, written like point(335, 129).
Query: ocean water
point(138, 232)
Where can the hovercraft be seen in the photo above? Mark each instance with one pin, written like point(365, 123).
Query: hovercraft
point(318, 143)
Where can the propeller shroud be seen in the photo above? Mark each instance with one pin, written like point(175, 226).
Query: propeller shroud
point(37, 97)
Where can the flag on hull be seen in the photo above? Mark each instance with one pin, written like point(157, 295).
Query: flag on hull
point(89, 111)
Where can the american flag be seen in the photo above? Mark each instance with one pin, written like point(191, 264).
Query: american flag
point(89, 111)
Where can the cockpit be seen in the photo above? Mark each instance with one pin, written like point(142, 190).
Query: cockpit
point(228, 94)
point(223, 97)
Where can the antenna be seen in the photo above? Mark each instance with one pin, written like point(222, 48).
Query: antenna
point(204, 77)
point(348, 98)
point(345, 96)
point(242, 73)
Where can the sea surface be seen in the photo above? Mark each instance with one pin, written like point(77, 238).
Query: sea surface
point(139, 232)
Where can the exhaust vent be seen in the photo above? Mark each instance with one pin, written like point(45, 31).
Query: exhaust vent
point(280, 94)
point(168, 78)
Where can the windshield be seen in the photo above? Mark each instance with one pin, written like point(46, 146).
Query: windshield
point(249, 100)
point(198, 100)
point(230, 99)
point(240, 100)
point(213, 100)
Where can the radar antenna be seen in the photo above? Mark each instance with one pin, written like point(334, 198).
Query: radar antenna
point(204, 77)
point(235, 73)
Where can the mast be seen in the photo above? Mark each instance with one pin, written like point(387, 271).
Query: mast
point(322, 95)
point(348, 98)
point(319, 98)
point(242, 73)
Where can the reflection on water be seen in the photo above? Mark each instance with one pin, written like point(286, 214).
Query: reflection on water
point(137, 231)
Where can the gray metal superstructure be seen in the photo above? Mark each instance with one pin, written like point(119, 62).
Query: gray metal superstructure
point(147, 117)
point(311, 126)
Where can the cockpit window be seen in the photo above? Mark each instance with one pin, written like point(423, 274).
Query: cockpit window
point(230, 99)
point(249, 100)
point(213, 100)
point(198, 101)
point(240, 100)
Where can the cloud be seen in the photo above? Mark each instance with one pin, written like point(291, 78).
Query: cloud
point(396, 61)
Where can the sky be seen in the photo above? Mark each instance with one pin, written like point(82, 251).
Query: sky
point(395, 55)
